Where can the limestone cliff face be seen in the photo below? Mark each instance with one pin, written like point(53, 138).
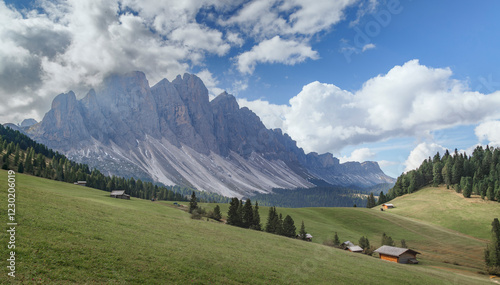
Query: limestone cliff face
point(172, 134)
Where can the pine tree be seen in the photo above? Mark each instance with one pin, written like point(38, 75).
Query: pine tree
point(302, 232)
point(289, 227)
point(217, 213)
point(233, 217)
point(279, 225)
point(271, 220)
point(490, 193)
point(387, 240)
point(371, 201)
point(467, 187)
point(247, 218)
point(381, 198)
point(403, 243)
point(364, 243)
point(193, 205)
point(336, 240)
point(492, 252)
point(256, 218)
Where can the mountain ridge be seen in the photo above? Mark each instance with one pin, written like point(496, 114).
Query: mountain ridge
point(172, 134)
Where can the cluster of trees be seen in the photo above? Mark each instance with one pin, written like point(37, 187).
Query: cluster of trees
point(277, 225)
point(19, 152)
point(244, 214)
point(477, 174)
point(320, 196)
point(198, 212)
point(371, 202)
point(492, 252)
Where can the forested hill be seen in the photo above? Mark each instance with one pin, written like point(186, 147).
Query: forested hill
point(477, 174)
point(24, 155)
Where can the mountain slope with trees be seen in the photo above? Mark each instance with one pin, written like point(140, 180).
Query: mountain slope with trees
point(478, 174)
point(24, 155)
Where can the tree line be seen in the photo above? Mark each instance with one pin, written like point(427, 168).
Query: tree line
point(477, 174)
point(319, 196)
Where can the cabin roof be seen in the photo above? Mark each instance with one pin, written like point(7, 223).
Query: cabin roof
point(117, 192)
point(348, 243)
point(309, 236)
point(394, 251)
point(389, 205)
point(355, 248)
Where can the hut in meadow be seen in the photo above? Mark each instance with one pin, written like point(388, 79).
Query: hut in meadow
point(119, 194)
point(387, 206)
point(397, 254)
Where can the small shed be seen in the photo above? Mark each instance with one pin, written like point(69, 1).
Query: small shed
point(81, 183)
point(397, 254)
point(119, 194)
point(309, 237)
point(356, 249)
point(388, 206)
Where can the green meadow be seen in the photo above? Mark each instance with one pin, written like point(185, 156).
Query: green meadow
point(69, 234)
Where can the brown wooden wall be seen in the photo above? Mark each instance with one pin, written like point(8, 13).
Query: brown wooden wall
point(388, 257)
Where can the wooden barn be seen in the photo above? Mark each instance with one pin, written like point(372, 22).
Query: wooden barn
point(397, 254)
point(119, 194)
point(387, 206)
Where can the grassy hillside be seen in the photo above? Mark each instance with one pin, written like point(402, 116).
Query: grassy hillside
point(446, 208)
point(73, 234)
point(440, 247)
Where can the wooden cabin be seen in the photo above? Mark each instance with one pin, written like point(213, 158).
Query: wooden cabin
point(397, 254)
point(81, 183)
point(119, 194)
point(309, 237)
point(387, 206)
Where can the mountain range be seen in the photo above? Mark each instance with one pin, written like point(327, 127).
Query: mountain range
point(173, 134)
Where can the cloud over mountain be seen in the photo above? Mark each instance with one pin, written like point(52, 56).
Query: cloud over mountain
point(62, 45)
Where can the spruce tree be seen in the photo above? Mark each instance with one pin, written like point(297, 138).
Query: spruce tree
point(247, 218)
point(364, 243)
point(271, 220)
point(403, 243)
point(490, 193)
point(233, 217)
point(279, 225)
point(387, 240)
point(217, 213)
point(336, 240)
point(193, 205)
point(302, 232)
point(256, 218)
point(289, 227)
point(492, 252)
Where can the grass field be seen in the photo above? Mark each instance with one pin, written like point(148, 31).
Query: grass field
point(72, 234)
point(446, 208)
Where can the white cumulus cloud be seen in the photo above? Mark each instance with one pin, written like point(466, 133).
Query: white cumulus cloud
point(359, 155)
point(275, 50)
point(420, 153)
point(409, 100)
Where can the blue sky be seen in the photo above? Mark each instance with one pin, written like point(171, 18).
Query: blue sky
point(392, 80)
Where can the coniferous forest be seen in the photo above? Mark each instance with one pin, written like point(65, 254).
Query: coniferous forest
point(320, 196)
point(477, 174)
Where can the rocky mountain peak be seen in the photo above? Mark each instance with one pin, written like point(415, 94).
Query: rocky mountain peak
point(173, 134)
